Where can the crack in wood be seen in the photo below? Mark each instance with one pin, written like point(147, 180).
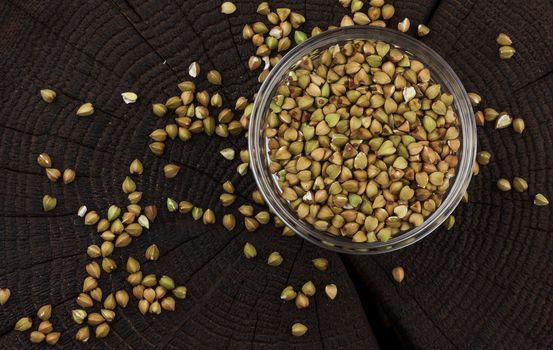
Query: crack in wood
point(39, 263)
point(133, 10)
point(144, 38)
point(535, 81)
point(430, 14)
point(244, 66)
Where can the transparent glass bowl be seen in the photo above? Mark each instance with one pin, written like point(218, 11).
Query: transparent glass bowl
point(441, 73)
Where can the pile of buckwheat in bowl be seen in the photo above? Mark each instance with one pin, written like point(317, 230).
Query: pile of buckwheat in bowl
point(363, 140)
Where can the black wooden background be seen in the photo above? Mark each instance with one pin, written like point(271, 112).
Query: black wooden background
point(485, 284)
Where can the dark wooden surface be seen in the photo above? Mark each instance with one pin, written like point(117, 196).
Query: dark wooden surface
point(485, 284)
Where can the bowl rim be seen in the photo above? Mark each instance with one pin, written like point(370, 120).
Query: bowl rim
point(447, 77)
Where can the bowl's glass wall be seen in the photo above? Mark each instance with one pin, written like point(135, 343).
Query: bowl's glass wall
point(441, 73)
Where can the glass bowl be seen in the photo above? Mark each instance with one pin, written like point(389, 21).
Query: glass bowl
point(441, 73)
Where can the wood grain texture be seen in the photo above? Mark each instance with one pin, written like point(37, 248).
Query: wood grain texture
point(93, 51)
point(485, 284)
